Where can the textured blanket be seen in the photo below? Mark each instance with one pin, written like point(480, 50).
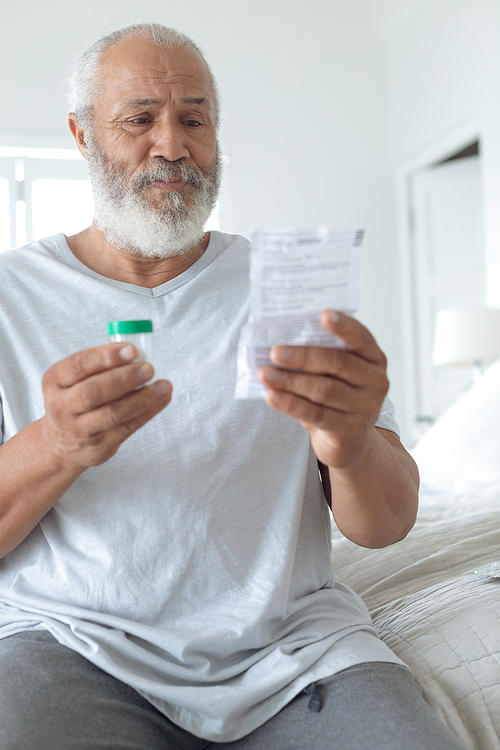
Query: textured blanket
point(438, 617)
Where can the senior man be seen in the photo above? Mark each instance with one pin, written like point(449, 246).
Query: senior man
point(165, 579)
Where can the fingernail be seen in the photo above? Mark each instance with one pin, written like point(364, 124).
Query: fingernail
point(333, 315)
point(280, 354)
point(274, 398)
point(127, 352)
point(145, 371)
point(162, 387)
point(272, 375)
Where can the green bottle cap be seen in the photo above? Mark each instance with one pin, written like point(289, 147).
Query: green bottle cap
point(130, 326)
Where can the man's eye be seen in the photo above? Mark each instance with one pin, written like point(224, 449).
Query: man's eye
point(140, 120)
point(192, 123)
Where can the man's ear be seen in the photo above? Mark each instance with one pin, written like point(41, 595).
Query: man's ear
point(77, 133)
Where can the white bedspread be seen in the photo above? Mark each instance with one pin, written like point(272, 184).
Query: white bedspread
point(441, 620)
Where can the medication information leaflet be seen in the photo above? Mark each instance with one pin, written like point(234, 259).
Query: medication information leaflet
point(294, 275)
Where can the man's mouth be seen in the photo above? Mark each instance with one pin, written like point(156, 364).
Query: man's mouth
point(170, 185)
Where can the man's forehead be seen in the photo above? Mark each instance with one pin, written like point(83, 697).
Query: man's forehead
point(137, 65)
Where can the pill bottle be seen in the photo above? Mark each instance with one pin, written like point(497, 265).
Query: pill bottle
point(136, 332)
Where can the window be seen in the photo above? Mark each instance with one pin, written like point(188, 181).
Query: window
point(4, 214)
point(42, 192)
point(60, 205)
point(45, 191)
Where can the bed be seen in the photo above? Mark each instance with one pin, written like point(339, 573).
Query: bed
point(435, 596)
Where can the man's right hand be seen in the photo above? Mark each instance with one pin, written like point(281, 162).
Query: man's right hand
point(94, 401)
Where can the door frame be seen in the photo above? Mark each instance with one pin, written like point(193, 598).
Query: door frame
point(440, 149)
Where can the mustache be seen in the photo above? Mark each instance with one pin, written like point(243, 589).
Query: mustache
point(164, 171)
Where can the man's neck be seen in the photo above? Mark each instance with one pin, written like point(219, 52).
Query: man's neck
point(92, 249)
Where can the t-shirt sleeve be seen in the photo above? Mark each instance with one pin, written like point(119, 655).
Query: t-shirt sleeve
point(386, 418)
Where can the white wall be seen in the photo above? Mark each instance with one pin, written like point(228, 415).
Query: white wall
point(442, 71)
point(305, 109)
point(438, 68)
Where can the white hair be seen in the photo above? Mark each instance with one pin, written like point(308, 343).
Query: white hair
point(84, 80)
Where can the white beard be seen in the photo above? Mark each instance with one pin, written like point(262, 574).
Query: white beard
point(129, 220)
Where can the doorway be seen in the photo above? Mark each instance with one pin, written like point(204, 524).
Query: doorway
point(448, 268)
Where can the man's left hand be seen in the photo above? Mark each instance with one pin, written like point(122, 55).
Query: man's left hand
point(336, 394)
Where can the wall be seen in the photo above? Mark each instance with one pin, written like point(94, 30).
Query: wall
point(442, 71)
point(304, 114)
point(437, 67)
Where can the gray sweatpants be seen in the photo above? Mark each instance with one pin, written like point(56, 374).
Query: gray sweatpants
point(51, 698)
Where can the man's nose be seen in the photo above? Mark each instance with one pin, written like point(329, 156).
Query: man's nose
point(169, 142)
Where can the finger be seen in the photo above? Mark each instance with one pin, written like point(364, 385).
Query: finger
point(320, 360)
point(89, 362)
point(128, 410)
point(111, 385)
point(323, 390)
point(99, 447)
point(132, 425)
point(305, 411)
point(354, 334)
point(354, 366)
point(317, 400)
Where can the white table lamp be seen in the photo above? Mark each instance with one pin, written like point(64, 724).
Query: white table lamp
point(468, 336)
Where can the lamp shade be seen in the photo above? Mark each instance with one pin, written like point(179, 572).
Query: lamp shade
point(466, 336)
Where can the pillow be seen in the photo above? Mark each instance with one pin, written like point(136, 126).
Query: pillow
point(462, 448)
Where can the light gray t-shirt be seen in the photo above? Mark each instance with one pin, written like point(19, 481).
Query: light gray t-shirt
point(194, 565)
